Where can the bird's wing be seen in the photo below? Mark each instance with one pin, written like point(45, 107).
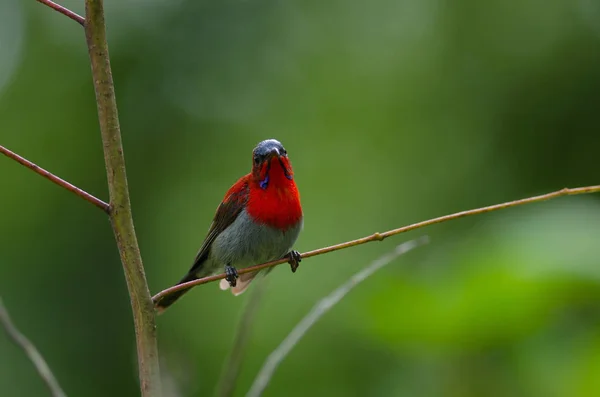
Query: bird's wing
point(234, 202)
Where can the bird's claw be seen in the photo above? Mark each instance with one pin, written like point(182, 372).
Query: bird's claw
point(294, 260)
point(231, 275)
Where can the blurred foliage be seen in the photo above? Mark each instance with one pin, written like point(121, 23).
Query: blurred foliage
point(392, 112)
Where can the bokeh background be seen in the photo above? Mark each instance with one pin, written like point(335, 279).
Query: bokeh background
point(393, 111)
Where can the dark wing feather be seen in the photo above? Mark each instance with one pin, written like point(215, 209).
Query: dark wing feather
point(234, 202)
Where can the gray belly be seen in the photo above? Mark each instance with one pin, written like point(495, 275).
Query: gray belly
point(245, 243)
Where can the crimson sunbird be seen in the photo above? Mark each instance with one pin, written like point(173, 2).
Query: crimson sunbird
point(258, 221)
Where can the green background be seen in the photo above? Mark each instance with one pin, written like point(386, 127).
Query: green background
point(393, 112)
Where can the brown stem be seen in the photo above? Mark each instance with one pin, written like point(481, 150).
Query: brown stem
point(53, 178)
point(120, 211)
point(63, 10)
point(381, 236)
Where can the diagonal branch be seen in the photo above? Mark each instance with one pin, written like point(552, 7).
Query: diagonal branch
point(233, 364)
point(280, 353)
point(53, 178)
point(120, 210)
point(64, 10)
point(34, 356)
point(389, 233)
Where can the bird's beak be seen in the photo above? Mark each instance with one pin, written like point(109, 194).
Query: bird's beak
point(274, 153)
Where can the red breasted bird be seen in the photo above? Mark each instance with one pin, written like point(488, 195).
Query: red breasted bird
point(258, 221)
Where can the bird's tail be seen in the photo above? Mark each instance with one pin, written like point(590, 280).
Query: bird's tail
point(163, 303)
point(242, 283)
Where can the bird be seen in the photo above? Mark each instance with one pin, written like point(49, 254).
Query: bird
point(259, 220)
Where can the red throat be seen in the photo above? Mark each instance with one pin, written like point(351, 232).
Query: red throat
point(276, 202)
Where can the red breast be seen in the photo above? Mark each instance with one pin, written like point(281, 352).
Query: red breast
point(273, 196)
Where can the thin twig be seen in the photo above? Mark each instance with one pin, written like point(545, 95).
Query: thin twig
point(120, 209)
point(64, 10)
point(381, 236)
point(231, 370)
point(32, 353)
point(278, 355)
point(53, 178)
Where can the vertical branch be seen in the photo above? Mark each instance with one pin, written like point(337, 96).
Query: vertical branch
point(120, 208)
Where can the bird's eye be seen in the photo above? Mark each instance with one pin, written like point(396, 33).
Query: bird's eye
point(256, 160)
point(284, 152)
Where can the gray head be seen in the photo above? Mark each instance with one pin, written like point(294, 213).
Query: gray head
point(263, 153)
point(267, 149)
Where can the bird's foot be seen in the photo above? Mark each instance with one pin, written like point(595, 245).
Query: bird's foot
point(294, 260)
point(232, 275)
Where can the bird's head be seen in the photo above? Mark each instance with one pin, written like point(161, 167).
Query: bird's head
point(270, 164)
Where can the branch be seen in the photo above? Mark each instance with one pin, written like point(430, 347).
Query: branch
point(382, 236)
point(63, 10)
point(231, 370)
point(32, 353)
point(53, 178)
point(279, 354)
point(120, 211)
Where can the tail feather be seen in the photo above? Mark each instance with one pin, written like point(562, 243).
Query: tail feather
point(242, 283)
point(163, 303)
